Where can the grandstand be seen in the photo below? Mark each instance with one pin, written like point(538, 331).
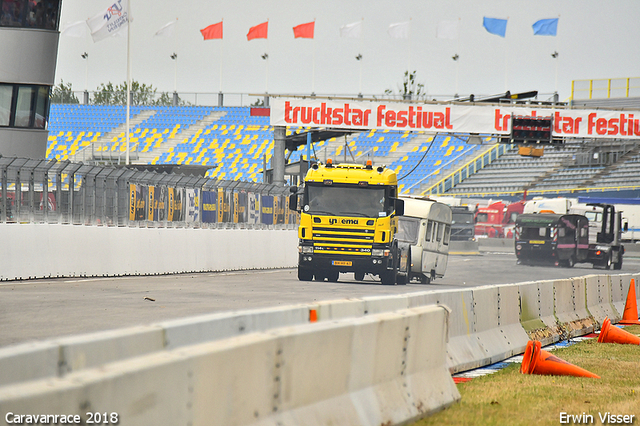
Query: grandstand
point(232, 141)
point(236, 145)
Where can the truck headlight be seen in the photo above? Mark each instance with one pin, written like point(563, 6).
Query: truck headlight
point(305, 249)
point(377, 252)
point(603, 248)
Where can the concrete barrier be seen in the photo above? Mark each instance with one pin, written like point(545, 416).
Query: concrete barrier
point(77, 251)
point(464, 349)
point(377, 304)
point(204, 328)
point(339, 309)
point(509, 318)
point(59, 357)
point(570, 307)
point(464, 248)
point(619, 288)
point(497, 322)
point(386, 368)
point(599, 298)
point(537, 311)
point(31, 361)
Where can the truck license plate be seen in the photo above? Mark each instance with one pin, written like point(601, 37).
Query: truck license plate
point(341, 263)
point(536, 242)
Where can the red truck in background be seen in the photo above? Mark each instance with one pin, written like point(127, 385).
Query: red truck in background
point(497, 220)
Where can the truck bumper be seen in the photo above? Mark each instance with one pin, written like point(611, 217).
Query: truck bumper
point(363, 264)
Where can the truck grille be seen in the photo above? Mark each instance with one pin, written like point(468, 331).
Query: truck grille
point(354, 241)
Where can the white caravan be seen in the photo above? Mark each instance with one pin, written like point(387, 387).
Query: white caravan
point(423, 236)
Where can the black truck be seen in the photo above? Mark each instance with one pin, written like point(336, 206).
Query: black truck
point(563, 239)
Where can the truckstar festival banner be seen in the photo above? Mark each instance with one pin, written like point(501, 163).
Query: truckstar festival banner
point(449, 118)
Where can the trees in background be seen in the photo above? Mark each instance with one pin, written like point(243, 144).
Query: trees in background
point(410, 88)
point(63, 94)
point(110, 94)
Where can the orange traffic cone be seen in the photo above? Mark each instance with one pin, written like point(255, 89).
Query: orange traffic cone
point(630, 314)
point(313, 315)
point(612, 334)
point(538, 361)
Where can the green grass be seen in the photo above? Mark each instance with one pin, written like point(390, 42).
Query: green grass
point(508, 397)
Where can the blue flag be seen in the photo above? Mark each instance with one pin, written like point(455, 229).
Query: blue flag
point(546, 27)
point(495, 26)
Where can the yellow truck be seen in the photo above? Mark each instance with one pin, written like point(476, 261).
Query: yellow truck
point(348, 221)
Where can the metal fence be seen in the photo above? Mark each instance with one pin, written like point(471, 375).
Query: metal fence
point(605, 88)
point(230, 99)
point(51, 191)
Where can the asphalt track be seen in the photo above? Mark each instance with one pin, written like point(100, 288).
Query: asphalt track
point(43, 309)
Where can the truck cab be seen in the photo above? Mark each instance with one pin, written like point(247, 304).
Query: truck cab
point(557, 239)
point(348, 220)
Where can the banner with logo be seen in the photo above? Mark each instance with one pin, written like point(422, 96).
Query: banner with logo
point(449, 118)
point(178, 205)
point(132, 201)
point(253, 205)
point(193, 207)
point(266, 210)
point(209, 206)
point(151, 203)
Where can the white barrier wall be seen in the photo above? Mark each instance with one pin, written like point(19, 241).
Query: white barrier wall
point(386, 368)
point(43, 250)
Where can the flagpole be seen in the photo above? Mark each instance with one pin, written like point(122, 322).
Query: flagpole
point(220, 61)
point(506, 67)
point(409, 46)
point(556, 59)
point(267, 78)
point(128, 78)
point(313, 63)
point(361, 46)
point(457, 60)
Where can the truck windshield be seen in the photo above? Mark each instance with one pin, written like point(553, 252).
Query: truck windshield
point(345, 201)
point(482, 218)
point(463, 218)
point(536, 233)
point(408, 230)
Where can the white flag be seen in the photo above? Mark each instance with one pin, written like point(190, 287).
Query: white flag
point(75, 29)
point(109, 22)
point(447, 29)
point(351, 30)
point(399, 30)
point(167, 30)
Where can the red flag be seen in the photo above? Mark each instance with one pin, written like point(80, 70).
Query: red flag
point(304, 30)
point(259, 31)
point(213, 31)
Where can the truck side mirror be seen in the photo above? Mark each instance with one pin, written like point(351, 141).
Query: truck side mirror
point(293, 202)
point(399, 206)
point(293, 189)
point(626, 226)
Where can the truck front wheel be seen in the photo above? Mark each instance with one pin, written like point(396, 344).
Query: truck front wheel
point(618, 264)
point(305, 275)
point(389, 277)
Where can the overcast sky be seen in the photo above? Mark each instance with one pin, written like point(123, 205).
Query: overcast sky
point(596, 39)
